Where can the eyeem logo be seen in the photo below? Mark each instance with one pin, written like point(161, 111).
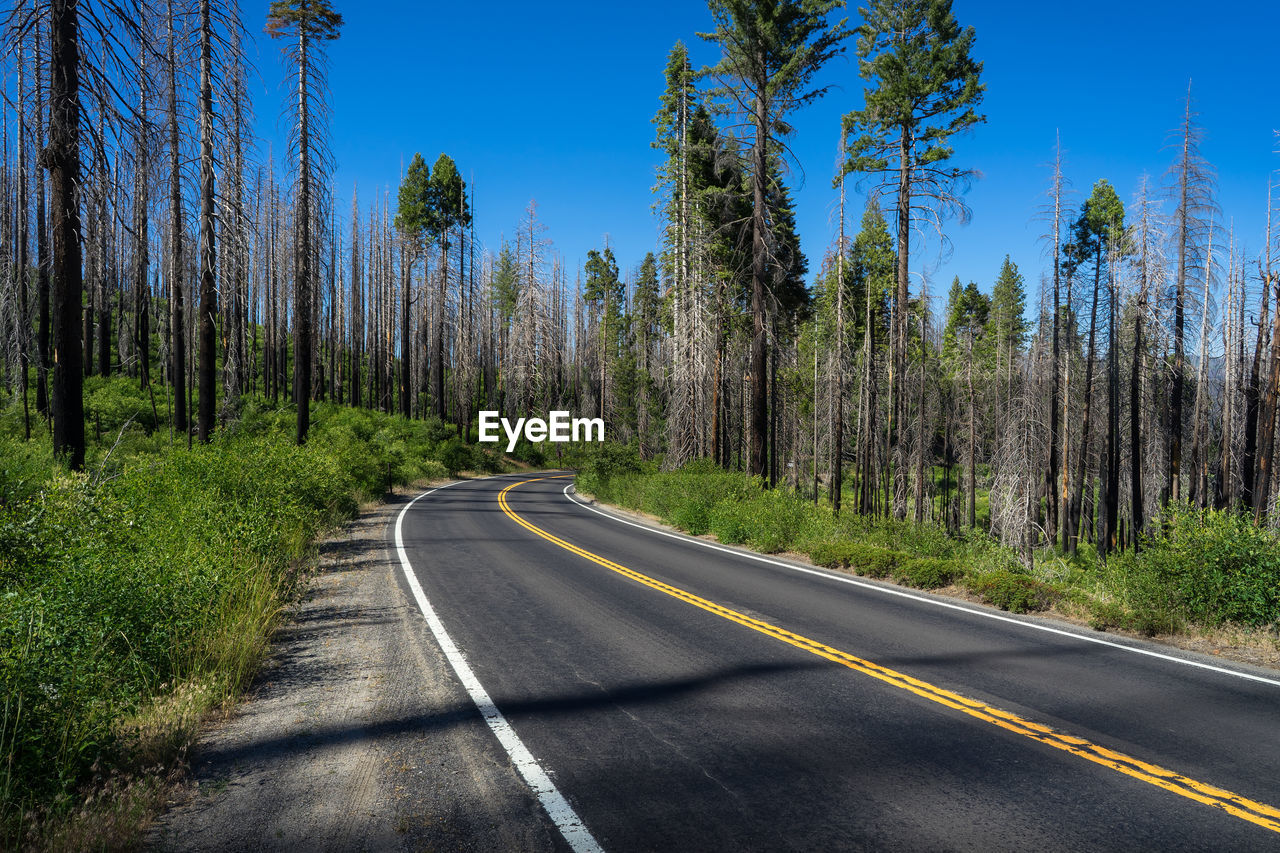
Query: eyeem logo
point(559, 427)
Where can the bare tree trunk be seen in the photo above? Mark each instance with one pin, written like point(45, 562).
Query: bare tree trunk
point(102, 318)
point(920, 416)
point(972, 491)
point(1077, 503)
point(208, 252)
point(1135, 411)
point(44, 262)
point(759, 252)
point(62, 159)
point(177, 323)
point(837, 416)
point(302, 346)
point(1055, 461)
point(357, 306)
point(898, 363)
point(1111, 491)
point(22, 271)
point(141, 241)
point(1199, 415)
point(1267, 422)
point(406, 376)
point(437, 354)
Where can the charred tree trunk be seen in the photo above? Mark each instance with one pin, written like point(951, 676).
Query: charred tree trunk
point(303, 286)
point(759, 421)
point(1077, 502)
point(208, 255)
point(177, 321)
point(62, 159)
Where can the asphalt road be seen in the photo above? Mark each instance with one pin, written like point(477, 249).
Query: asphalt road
point(685, 698)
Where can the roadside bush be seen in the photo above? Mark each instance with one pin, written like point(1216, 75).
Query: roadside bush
point(869, 560)
point(686, 498)
point(927, 572)
point(605, 463)
point(769, 521)
point(528, 452)
point(456, 456)
point(1017, 593)
point(730, 521)
point(1148, 621)
point(1210, 566)
point(898, 535)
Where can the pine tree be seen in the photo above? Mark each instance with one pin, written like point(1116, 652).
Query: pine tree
point(965, 341)
point(646, 330)
point(1193, 184)
point(448, 210)
point(926, 91)
point(771, 49)
point(312, 23)
point(1099, 227)
point(1006, 322)
point(604, 291)
point(873, 264)
point(415, 222)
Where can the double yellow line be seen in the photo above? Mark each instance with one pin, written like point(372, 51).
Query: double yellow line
point(1261, 814)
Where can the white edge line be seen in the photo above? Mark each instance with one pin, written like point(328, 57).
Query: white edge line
point(557, 807)
point(888, 590)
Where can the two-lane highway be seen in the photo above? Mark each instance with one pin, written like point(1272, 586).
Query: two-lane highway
point(663, 695)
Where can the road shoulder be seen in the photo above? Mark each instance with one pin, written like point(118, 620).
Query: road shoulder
point(356, 734)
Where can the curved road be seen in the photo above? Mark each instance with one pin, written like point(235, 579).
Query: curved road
point(681, 697)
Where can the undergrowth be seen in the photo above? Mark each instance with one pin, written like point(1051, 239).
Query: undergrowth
point(139, 594)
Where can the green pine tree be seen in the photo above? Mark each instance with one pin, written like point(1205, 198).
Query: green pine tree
point(1007, 325)
point(924, 90)
point(770, 52)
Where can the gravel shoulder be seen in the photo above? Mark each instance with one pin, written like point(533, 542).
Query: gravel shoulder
point(356, 734)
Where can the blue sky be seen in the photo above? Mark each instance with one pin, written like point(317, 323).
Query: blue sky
point(554, 102)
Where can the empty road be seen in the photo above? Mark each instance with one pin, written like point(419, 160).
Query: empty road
point(659, 694)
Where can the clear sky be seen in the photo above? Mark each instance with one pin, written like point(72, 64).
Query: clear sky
point(554, 102)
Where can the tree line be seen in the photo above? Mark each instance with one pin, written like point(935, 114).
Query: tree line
point(144, 236)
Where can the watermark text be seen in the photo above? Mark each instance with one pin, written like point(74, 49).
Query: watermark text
point(558, 426)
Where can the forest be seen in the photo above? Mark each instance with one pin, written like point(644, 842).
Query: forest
point(145, 238)
point(166, 283)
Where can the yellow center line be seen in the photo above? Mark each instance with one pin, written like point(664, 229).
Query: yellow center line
point(1234, 804)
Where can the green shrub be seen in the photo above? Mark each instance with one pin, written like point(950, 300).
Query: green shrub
point(165, 568)
point(605, 463)
point(1208, 566)
point(831, 555)
point(1148, 621)
point(1106, 615)
point(869, 560)
point(730, 521)
point(875, 562)
point(111, 402)
point(25, 467)
point(1017, 593)
point(456, 456)
point(530, 453)
point(686, 498)
point(927, 572)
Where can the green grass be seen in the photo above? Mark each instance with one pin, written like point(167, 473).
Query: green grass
point(137, 594)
